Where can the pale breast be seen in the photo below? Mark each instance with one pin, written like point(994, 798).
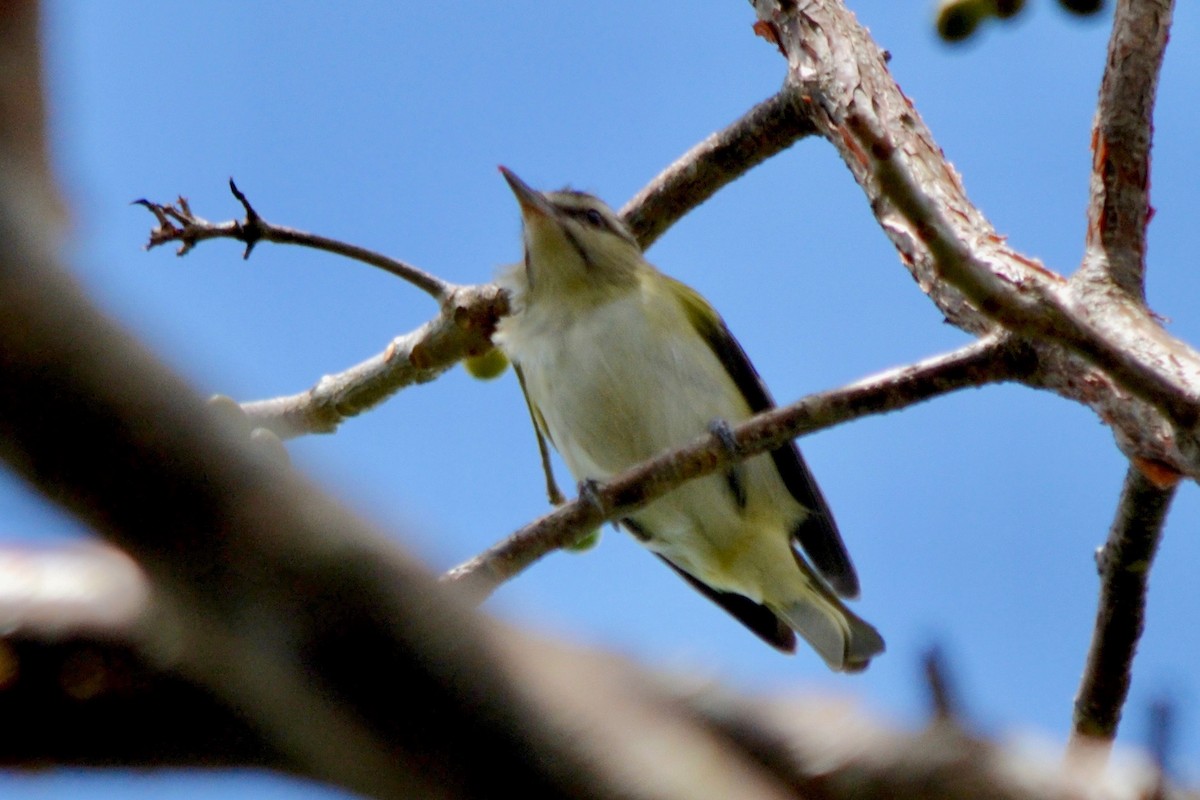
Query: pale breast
point(627, 380)
point(619, 382)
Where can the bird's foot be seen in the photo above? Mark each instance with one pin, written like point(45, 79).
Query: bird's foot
point(589, 492)
point(723, 433)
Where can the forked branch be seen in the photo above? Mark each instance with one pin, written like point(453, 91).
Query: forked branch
point(1112, 356)
point(177, 223)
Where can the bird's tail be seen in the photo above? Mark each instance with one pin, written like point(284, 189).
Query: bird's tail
point(841, 637)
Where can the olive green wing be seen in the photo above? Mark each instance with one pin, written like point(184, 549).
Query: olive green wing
point(817, 533)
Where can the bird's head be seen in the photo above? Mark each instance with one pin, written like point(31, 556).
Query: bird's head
point(576, 247)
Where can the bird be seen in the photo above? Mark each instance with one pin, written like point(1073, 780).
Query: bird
point(620, 362)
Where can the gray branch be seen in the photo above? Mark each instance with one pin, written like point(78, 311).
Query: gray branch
point(1124, 565)
point(1119, 209)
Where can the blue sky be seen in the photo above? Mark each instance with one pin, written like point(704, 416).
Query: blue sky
point(972, 519)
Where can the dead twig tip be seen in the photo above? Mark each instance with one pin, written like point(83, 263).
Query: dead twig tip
point(944, 701)
point(249, 231)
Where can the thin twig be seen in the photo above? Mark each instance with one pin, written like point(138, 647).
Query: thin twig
point(769, 128)
point(177, 223)
point(1161, 738)
point(944, 700)
point(1118, 214)
point(1119, 209)
point(1124, 564)
point(987, 361)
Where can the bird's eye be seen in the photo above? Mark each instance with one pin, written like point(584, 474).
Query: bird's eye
point(594, 217)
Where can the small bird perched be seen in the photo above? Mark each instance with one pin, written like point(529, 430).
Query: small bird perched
point(619, 363)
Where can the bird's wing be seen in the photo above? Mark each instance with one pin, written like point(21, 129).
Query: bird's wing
point(817, 533)
point(762, 621)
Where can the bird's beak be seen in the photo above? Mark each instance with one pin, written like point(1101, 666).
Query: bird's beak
point(533, 203)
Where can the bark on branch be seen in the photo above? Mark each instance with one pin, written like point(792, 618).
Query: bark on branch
point(1114, 357)
point(766, 130)
point(1119, 210)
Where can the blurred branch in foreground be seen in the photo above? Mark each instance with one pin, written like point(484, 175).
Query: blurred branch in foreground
point(74, 690)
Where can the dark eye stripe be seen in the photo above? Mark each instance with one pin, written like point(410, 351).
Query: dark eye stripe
point(595, 218)
point(590, 216)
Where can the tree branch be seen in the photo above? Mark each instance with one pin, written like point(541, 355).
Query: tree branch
point(265, 591)
point(1119, 210)
point(1034, 303)
point(87, 700)
point(1124, 566)
point(463, 327)
point(1118, 214)
point(986, 361)
point(769, 128)
point(177, 223)
point(289, 609)
point(965, 267)
point(74, 688)
point(469, 313)
point(827, 751)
